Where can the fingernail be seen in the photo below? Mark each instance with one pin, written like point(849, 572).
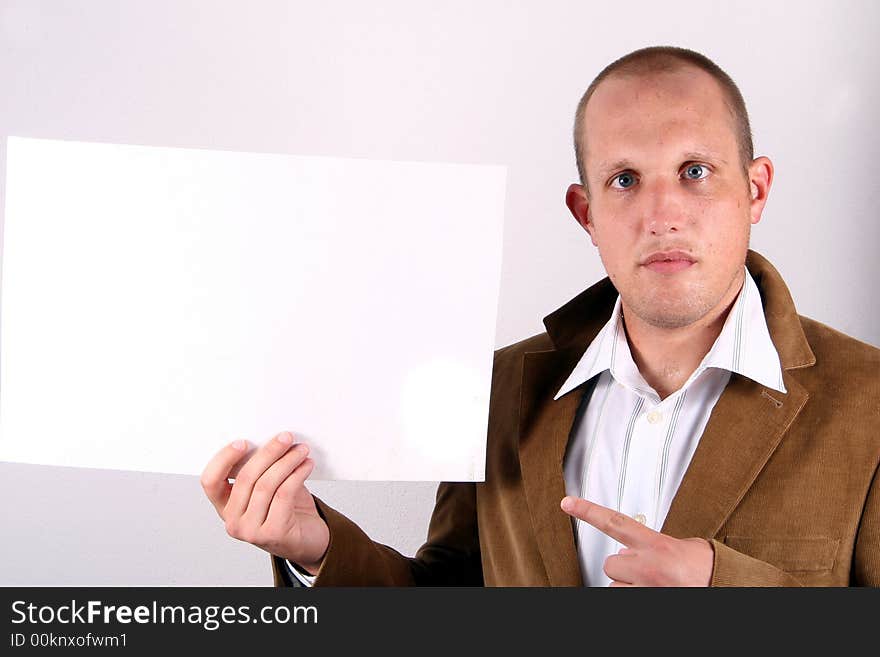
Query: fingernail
point(240, 445)
point(285, 438)
point(567, 504)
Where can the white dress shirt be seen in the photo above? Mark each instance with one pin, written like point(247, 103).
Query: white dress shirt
point(628, 450)
point(307, 580)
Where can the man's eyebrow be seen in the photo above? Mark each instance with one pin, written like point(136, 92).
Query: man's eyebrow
point(605, 168)
point(705, 155)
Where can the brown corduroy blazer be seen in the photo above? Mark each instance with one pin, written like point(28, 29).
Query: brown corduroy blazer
point(784, 486)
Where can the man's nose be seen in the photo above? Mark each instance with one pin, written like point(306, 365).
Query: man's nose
point(661, 210)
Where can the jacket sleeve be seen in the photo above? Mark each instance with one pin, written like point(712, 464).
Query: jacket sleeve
point(449, 556)
point(866, 566)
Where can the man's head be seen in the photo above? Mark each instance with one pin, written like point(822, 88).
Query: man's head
point(667, 171)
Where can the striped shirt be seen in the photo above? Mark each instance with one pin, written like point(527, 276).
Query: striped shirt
point(628, 449)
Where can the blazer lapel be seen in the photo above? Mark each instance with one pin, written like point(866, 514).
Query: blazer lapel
point(745, 427)
point(544, 429)
point(545, 425)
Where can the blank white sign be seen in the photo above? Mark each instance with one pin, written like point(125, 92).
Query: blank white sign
point(158, 303)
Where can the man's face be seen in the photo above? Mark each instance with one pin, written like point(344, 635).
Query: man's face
point(670, 205)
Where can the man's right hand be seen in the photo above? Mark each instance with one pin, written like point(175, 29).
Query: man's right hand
point(269, 505)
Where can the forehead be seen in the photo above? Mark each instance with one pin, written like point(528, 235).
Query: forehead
point(680, 110)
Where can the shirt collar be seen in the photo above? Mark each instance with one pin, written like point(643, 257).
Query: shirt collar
point(743, 346)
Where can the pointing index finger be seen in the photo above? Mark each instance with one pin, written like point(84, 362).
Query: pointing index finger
point(618, 526)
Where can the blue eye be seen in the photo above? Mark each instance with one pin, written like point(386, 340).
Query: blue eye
point(696, 172)
point(623, 180)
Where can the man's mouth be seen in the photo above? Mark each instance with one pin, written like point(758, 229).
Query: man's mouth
point(668, 262)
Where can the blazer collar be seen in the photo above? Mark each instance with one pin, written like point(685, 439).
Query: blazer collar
point(744, 429)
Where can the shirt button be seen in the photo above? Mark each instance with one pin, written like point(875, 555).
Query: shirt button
point(654, 417)
point(640, 518)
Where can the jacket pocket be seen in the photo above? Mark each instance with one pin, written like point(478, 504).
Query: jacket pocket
point(809, 553)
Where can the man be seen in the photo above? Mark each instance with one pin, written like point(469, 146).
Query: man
point(677, 423)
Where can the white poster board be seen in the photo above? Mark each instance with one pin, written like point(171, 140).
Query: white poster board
point(158, 303)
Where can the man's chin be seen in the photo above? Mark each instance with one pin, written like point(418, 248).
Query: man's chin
point(671, 315)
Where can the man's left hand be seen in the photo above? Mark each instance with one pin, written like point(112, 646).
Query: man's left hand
point(649, 558)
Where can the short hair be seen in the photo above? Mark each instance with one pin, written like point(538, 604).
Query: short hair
point(660, 59)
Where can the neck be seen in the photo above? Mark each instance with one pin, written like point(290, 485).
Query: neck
point(666, 357)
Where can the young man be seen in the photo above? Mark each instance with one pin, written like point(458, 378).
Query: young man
point(677, 424)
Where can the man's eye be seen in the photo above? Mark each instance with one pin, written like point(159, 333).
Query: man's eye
point(696, 172)
point(623, 181)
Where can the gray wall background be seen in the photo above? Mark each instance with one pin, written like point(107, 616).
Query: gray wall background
point(482, 82)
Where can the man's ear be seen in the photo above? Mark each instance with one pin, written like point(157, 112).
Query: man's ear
point(760, 179)
point(579, 205)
